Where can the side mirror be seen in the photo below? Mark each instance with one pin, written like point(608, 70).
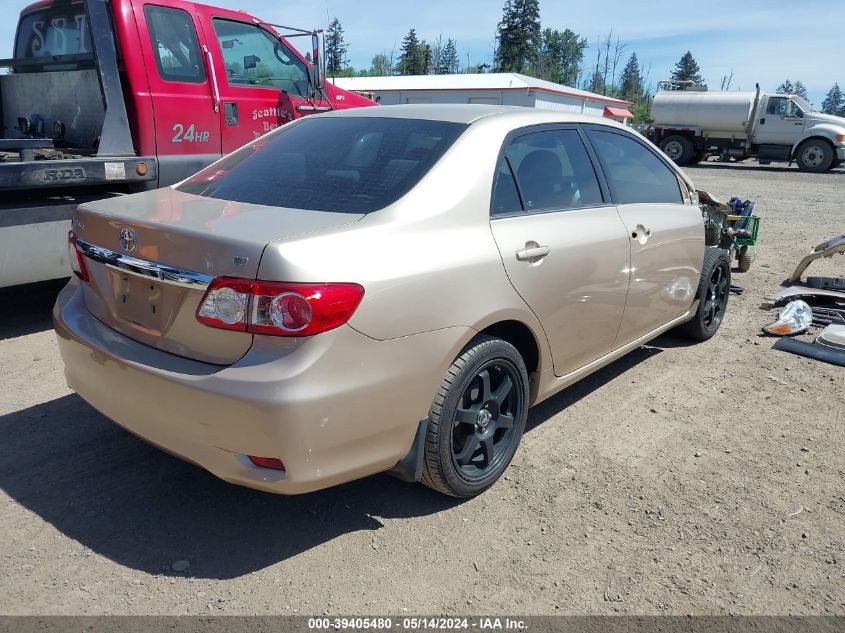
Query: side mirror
point(251, 61)
point(316, 63)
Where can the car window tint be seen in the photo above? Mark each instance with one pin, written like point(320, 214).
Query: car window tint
point(554, 170)
point(505, 195)
point(175, 45)
point(634, 173)
point(343, 164)
point(255, 58)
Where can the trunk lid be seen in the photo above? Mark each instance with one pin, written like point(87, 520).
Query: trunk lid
point(196, 239)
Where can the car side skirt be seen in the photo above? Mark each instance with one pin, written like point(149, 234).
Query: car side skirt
point(547, 384)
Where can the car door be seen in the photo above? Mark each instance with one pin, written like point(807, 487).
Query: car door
point(665, 230)
point(181, 87)
point(262, 82)
point(781, 124)
point(563, 245)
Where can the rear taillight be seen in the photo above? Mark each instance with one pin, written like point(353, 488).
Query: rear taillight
point(75, 257)
point(278, 308)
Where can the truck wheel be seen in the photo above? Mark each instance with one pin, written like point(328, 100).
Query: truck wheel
point(744, 259)
point(815, 155)
point(477, 418)
point(678, 148)
point(713, 291)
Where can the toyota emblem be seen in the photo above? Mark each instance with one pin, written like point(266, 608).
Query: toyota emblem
point(127, 239)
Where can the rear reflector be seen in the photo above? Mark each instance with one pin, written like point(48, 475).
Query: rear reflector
point(267, 462)
point(278, 308)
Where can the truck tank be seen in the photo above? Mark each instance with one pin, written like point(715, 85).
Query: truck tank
point(710, 111)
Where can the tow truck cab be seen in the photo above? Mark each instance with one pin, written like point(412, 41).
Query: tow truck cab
point(104, 97)
point(175, 82)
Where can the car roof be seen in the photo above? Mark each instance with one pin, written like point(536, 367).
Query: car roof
point(469, 113)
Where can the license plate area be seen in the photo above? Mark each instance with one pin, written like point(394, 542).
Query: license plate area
point(139, 301)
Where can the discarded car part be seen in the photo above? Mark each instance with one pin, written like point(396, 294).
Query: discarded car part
point(795, 318)
point(737, 290)
point(827, 283)
point(826, 249)
point(832, 336)
point(827, 315)
point(817, 352)
point(800, 292)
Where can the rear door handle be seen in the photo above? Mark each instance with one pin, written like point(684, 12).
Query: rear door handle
point(533, 253)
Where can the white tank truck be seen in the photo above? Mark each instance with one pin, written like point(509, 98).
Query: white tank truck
point(690, 123)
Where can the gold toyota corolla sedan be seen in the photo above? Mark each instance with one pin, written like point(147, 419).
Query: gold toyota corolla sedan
point(382, 289)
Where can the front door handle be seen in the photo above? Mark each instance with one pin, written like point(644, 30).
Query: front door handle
point(533, 252)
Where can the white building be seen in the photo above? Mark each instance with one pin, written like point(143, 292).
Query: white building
point(493, 88)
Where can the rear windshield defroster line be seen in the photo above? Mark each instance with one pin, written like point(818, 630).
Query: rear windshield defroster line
point(350, 165)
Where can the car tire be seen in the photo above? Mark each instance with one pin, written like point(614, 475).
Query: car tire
point(814, 155)
point(744, 259)
point(713, 291)
point(467, 450)
point(679, 149)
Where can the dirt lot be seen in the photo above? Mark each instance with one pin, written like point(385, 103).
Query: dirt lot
point(681, 479)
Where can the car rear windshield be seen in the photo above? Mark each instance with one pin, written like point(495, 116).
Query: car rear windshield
point(59, 30)
point(352, 165)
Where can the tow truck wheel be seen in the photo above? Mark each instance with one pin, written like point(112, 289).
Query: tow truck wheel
point(815, 155)
point(679, 149)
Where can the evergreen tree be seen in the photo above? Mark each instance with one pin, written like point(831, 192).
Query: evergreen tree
point(786, 88)
point(596, 82)
point(380, 66)
point(425, 59)
point(834, 102)
point(631, 82)
point(409, 55)
point(449, 63)
point(800, 89)
point(687, 70)
point(336, 48)
point(518, 36)
point(560, 56)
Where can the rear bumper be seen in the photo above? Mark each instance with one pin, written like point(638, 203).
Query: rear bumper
point(333, 408)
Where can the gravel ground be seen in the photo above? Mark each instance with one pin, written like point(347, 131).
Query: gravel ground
point(682, 479)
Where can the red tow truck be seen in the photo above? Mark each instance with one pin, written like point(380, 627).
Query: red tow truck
point(107, 97)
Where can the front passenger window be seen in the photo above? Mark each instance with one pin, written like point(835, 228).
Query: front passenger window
point(634, 173)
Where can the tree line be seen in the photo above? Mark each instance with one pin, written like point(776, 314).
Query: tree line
point(524, 45)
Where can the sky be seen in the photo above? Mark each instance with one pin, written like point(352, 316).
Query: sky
point(763, 41)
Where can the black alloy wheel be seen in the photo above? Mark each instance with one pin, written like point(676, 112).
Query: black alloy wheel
point(483, 427)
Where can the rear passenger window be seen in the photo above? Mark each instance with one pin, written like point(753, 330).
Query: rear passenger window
point(554, 171)
point(634, 173)
point(176, 47)
point(505, 195)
